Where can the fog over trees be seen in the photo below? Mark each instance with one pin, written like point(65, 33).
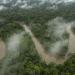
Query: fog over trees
point(48, 20)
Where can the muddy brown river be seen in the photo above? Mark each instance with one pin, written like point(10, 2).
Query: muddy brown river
point(40, 49)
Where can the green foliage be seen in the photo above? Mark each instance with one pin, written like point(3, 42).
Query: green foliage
point(28, 62)
point(8, 29)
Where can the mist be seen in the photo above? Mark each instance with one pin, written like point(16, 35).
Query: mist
point(57, 29)
point(13, 44)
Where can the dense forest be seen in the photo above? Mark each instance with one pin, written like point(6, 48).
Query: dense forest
point(28, 62)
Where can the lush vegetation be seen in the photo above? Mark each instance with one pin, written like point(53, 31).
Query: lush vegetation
point(8, 28)
point(28, 62)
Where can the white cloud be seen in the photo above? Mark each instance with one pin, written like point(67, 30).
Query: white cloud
point(2, 7)
point(69, 0)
